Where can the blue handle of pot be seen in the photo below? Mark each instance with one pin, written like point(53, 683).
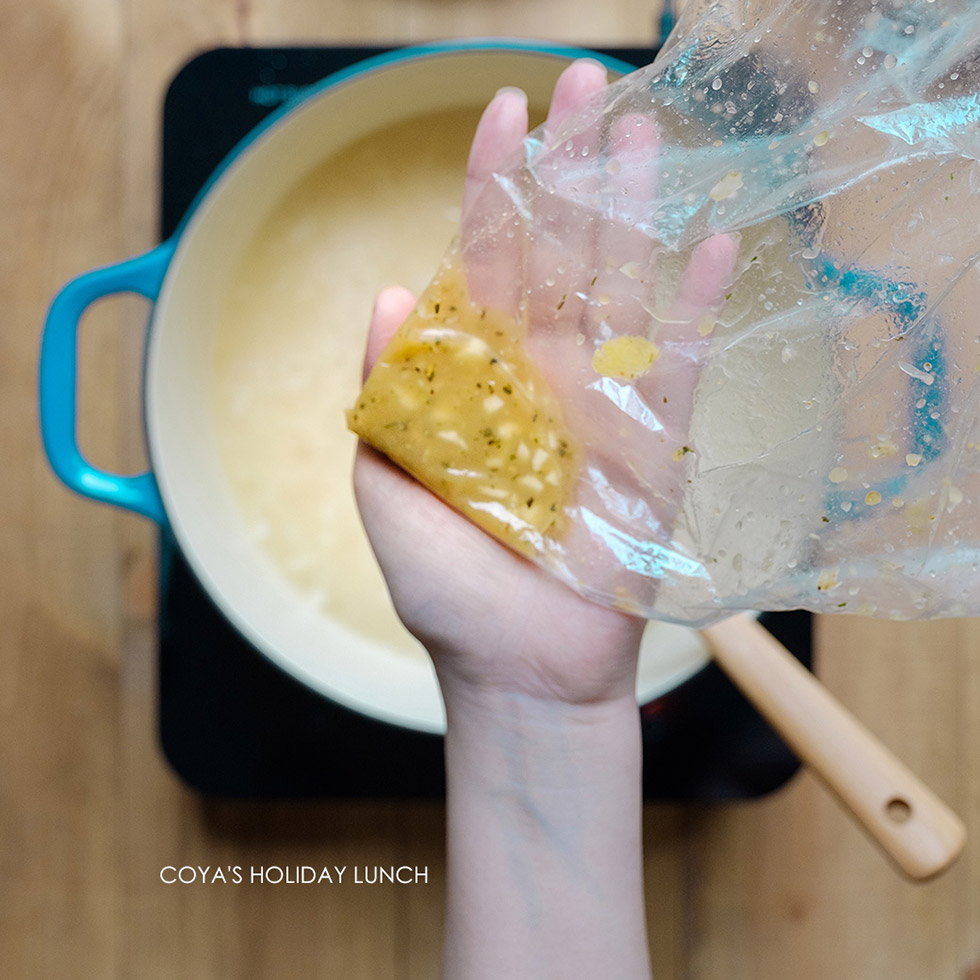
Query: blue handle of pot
point(58, 382)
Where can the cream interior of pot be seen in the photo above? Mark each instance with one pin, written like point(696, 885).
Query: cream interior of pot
point(255, 351)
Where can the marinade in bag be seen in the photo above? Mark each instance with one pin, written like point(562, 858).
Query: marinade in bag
point(711, 344)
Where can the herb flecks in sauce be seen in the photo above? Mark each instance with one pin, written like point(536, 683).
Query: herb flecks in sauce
point(455, 401)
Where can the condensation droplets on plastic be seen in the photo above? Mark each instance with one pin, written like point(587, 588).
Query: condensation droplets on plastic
point(712, 343)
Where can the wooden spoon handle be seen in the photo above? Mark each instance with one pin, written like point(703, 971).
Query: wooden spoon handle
point(913, 826)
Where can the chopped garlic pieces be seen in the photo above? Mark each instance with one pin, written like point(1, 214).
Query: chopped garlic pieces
point(729, 185)
point(453, 437)
point(626, 357)
point(455, 401)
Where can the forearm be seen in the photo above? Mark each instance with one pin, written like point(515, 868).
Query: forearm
point(544, 839)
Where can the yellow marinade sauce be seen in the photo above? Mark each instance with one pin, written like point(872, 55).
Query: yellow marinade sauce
point(455, 400)
point(627, 357)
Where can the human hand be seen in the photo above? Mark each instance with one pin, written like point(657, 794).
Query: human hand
point(490, 619)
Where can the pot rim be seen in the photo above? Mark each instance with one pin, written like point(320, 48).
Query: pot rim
point(387, 59)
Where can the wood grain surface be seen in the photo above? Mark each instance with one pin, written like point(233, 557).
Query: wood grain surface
point(784, 888)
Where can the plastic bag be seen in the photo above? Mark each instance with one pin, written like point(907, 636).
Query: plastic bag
point(722, 325)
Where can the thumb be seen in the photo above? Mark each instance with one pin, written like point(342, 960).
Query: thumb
point(391, 307)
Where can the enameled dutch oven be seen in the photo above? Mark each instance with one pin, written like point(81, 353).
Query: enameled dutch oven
point(185, 278)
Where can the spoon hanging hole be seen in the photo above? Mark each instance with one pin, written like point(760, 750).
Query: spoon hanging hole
point(898, 810)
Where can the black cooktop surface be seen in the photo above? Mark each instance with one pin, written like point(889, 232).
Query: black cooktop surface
point(232, 723)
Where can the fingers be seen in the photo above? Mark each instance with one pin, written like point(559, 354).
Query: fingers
point(504, 122)
point(575, 86)
point(490, 261)
point(499, 132)
point(624, 245)
point(633, 164)
point(701, 290)
point(493, 250)
point(559, 228)
point(391, 307)
point(686, 329)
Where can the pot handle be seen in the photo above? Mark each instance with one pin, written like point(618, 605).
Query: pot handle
point(58, 382)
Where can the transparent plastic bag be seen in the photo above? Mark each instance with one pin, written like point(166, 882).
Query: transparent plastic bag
point(728, 312)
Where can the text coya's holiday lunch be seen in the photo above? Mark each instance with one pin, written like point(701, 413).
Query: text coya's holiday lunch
point(295, 874)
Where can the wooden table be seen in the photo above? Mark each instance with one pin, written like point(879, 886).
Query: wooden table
point(785, 887)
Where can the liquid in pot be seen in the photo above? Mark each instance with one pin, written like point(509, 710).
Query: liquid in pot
point(290, 344)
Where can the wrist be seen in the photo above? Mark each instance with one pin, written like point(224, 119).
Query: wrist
point(538, 716)
point(544, 836)
point(545, 756)
point(531, 672)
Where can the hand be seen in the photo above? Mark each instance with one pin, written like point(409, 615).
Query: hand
point(488, 617)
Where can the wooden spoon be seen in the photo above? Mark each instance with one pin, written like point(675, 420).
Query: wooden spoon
point(913, 826)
